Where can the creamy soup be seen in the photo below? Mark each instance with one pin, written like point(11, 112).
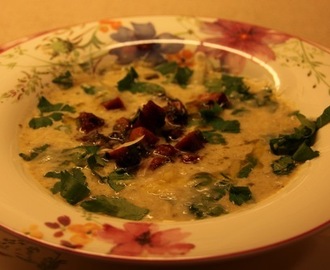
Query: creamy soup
point(145, 143)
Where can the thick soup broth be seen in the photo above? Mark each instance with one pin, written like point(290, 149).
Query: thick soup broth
point(224, 165)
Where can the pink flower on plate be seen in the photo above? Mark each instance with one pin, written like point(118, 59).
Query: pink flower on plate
point(247, 38)
point(138, 238)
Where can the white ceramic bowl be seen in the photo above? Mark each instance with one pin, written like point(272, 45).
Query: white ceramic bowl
point(298, 70)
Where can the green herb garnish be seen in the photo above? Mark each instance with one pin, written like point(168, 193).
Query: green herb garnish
point(39, 122)
point(64, 80)
point(115, 206)
point(324, 118)
point(230, 126)
point(117, 178)
point(304, 152)
point(210, 112)
point(130, 83)
point(89, 89)
point(283, 166)
point(297, 146)
point(202, 179)
point(210, 189)
point(45, 106)
point(167, 68)
point(239, 194)
point(232, 86)
point(182, 76)
point(34, 153)
point(205, 208)
point(248, 164)
point(127, 82)
point(49, 113)
point(147, 88)
point(72, 185)
point(213, 137)
point(82, 156)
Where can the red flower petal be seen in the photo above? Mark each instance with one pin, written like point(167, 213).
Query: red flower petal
point(137, 229)
point(175, 249)
point(64, 220)
point(167, 237)
point(114, 235)
point(251, 39)
point(70, 245)
point(58, 234)
point(52, 225)
point(127, 249)
point(168, 242)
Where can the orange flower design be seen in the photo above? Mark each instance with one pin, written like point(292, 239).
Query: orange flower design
point(83, 233)
point(34, 231)
point(107, 24)
point(185, 58)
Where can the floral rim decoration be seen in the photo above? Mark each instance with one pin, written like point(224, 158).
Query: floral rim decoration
point(83, 50)
point(86, 49)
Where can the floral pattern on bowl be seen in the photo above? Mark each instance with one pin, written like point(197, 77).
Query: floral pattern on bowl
point(134, 239)
point(67, 49)
point(89, 48)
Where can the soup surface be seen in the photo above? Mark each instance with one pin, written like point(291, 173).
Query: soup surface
point(164, 143)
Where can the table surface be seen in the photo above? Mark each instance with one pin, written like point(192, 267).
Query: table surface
point(306, 19)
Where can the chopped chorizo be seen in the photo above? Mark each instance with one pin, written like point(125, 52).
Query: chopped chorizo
point(191, 142)
point(189, 158)
point(151, 117)
point(89, 121)
point(157, 162)
point(176, 113)
point(149, 139)
point(126, 156)
point(121, 127)
point(113, 104)
point(166, 150)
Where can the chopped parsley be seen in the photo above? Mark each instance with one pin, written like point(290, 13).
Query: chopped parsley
point(239, 194)
point(115, 206)
point(210, 189)
point(64, 80)
point(247, 165)
point(204, 208)
point(81, 156)
point(49, 113)
point(45, 106)
point(213, 137)
point(130, 83)
point(283, 166)
point(232, 86)
point(202, 179)
point(89, 89)
point(210, 117)
point(72, 185)
point(117, 179)
point(296, 147)
point(147, 88)
point(211, 112)
point(34, 153)
point(230, 126)
point(127, 82)
point(324, 118)
point(180, 75)
point(167, 68)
